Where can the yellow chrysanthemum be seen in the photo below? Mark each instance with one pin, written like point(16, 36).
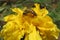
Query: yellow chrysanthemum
point(40, 12)
point(24, 27)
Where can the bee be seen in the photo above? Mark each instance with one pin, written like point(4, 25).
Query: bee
point(29, 12)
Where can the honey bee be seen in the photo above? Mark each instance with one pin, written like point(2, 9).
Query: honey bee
point(29, 12)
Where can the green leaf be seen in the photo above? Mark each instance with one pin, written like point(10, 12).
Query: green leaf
point(2, 8)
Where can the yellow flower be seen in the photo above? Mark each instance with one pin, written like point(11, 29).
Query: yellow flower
point(33, 35)
point(20, 26)
point(40, 12)
point(9, 18)
point(17, 10)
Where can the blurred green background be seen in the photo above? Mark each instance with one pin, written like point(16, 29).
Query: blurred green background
point(52, 5)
